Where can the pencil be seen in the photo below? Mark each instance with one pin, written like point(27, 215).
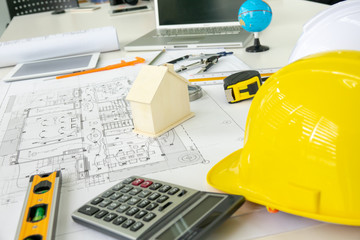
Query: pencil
point(110, 67)
point(157, 57)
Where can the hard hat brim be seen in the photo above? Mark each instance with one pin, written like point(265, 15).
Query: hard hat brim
point(225, 174)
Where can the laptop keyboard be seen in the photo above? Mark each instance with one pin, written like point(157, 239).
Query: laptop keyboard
point(198, 31)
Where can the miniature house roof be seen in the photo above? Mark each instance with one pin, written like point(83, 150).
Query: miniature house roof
point(148, 82)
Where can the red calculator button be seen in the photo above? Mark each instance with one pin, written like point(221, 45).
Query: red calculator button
point(137, 182)
point(146, 184)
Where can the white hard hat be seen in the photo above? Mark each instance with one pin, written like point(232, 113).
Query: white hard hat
point(336, 28)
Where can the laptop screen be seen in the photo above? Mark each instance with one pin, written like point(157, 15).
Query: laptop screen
point(197, 11)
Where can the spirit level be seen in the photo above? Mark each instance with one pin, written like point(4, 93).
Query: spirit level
point(39, 213)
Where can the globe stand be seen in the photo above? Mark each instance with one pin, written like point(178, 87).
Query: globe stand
point(257, 47)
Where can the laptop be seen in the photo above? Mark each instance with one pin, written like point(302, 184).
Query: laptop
point(194, 24)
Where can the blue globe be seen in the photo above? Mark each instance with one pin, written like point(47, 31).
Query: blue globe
point(254, 15)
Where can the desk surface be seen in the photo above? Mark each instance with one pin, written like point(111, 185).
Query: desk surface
point(282, 34)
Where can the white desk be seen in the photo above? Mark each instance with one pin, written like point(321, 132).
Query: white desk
point(280, 36)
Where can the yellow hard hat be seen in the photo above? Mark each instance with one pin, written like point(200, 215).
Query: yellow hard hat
point(301, 151)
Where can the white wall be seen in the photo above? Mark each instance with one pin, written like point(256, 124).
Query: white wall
point(4, 16)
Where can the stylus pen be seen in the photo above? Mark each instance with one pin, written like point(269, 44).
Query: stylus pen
point(129, 9)
point(157, 57)
point(179, 59)
point(114, 66)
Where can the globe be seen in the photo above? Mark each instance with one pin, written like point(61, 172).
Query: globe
point(254, 16)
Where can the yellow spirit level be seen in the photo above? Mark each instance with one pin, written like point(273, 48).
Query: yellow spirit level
point(242, 85)
point(39, 213)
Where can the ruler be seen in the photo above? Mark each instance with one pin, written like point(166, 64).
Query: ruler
point(39, 213)
point(218, 77)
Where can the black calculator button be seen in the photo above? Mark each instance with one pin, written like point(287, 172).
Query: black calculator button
point(132, 211)
point(96, 201)
point(136, 226)
point(118, 186)
point(88, 210)
point(113, 205)
point(101, 214)
point(144, 194)
point(152, 206)
point(122, 208)
point(124, 198)
point(141, 214)
point(107, 194)
point(105, 203)
point(162, 208)
point(173, 191)
point(143, 203)
point(154, 196)
point(149, 217)
point(126, 189)
point(119, 220)
point(134, 191)
point(162, 199)
point(164, 188)
point(110, 217)
point(115, 196)
point(182, 193)
point(128, 223)
point(133, 201)
point(155, 186)
point(129, 180)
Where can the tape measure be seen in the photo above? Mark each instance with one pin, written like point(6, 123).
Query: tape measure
point(242, 85)
point(39, 213)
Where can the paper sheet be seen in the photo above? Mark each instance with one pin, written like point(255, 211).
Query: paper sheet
point(82, 125)
point(53, 125)
point(224, 64)
point(58, 45)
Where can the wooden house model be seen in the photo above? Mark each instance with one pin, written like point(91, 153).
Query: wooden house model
point(159, 100)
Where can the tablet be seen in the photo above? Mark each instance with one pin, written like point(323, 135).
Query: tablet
point(52, 67)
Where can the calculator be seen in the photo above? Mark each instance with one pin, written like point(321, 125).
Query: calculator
point(144, 208)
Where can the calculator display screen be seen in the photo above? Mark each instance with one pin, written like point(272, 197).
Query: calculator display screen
point(187, 219)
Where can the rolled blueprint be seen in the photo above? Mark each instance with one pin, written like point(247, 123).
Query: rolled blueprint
point(58, 45)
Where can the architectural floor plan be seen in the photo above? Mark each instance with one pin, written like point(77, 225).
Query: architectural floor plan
point(86, 132)
point(83, 127)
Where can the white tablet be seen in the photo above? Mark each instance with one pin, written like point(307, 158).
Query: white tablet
point(52, 67)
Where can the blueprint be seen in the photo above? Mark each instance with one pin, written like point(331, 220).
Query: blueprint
point(83, 127)
point(86, 132)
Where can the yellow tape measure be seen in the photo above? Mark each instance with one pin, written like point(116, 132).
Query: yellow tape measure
point(242, 85)
point(39, 213)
